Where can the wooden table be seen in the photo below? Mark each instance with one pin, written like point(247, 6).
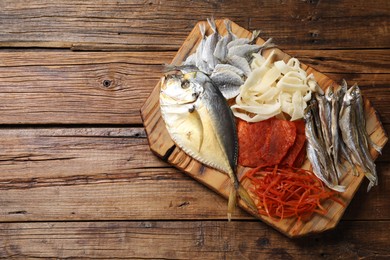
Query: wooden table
point(77, 178)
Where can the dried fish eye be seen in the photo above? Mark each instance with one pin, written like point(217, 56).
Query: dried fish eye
point(185, 84)
point(195, 94)
point(191, 109)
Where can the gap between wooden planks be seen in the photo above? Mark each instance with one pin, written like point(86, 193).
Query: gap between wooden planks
point(163, 146)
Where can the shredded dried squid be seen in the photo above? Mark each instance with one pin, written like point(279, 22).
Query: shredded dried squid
point(272, 88)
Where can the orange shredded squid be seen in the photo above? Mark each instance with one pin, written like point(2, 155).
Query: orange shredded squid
point(289, 192)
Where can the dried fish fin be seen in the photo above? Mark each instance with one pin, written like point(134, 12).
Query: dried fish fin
point(375, 146)
point(352, 135)
point(184, 68)
point(186, 128)
point(231, 35)
point(190, 60)
point(243, 194)
point(209, 47)
point(202, 29)
point(199, 62)
point(231, 202)
point(255, 35)
point(198, 129)
point(268, 44)
point(212, 24)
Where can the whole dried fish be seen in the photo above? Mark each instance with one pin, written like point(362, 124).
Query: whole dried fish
point(353, 137)
point(324, 108)
point(201, 123)
point(343, 150)
point(333, 99)
point(362, 122)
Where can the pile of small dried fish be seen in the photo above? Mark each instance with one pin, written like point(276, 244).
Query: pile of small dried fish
point(336, 128)
point(225, 59)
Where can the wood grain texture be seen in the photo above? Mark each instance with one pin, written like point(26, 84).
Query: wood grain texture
point(345, 61)
point(64, 87)
point(141, 25)
point(80, 88)
point(164, 147)
point(94, 174)
point(188, 240)
point(62, 174)
point(92, 166)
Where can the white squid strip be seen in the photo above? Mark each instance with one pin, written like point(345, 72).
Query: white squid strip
point(272, 88)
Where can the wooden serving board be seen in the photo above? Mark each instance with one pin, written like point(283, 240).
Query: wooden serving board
point(162, 145)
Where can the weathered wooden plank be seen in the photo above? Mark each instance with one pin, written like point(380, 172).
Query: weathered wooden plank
point(327, 61)
point(345, 61)
point(137, 195)
point(37, 154)
point(113, 25)
point(110, 173)
point(72, 87)
point(63, 87)
point(323, 32)
point(94, 173)
point(145, 194)
point(188, 240)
